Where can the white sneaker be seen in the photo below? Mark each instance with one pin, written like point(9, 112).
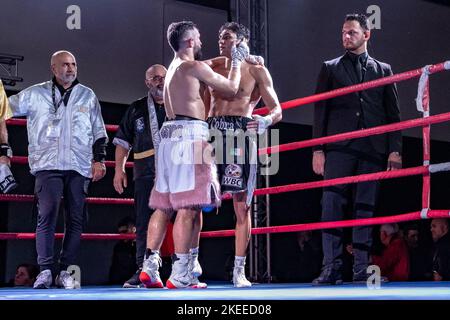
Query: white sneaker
point(195, 269)
point(64, 280)
point(182, 278)
point(239, 279)
point(149, 275)
point(194, 266)
point(197, 284)
point(43, 280)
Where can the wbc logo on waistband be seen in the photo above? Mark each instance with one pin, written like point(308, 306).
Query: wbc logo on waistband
point(233, 176)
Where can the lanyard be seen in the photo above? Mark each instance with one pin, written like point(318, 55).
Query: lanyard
point(57, 105)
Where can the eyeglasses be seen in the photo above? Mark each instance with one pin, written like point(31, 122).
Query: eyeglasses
point(156, 78)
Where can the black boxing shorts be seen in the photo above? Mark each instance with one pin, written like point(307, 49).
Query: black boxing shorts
point(236, 154)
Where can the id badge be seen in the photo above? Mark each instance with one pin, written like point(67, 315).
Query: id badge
point(54, 129)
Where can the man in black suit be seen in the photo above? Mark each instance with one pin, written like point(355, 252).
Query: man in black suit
point(365, 109)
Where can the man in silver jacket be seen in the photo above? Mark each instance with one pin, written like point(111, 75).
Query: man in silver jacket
point(67, 148)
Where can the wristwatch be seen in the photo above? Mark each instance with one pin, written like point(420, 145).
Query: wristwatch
point(5, 150)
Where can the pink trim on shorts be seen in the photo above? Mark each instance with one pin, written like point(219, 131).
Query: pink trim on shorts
point(205, 193)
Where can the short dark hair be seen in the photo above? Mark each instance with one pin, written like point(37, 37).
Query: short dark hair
point(410, 226)
point(32, 269)
point(240, 30)
point(176, 31)
point(361, 18)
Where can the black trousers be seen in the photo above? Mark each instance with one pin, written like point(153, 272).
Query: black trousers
point(50, 186)
point(358, 157)
point(142, 188)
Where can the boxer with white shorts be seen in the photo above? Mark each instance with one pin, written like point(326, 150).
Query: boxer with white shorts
point(185, 180)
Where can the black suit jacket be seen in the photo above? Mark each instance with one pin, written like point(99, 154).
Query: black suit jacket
point(441, 259)
point(366, 109)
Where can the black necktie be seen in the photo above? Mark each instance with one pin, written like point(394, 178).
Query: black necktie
point(358, 68)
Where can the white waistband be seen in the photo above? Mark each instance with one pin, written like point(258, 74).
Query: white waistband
point(184, 129)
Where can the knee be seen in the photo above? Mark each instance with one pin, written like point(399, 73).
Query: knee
point(75, 224)
point(47, 217)
point(187, 217)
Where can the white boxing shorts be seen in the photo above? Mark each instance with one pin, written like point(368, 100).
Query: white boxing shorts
point(186, 174)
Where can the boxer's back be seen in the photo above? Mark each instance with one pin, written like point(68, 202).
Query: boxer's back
point(182, 90)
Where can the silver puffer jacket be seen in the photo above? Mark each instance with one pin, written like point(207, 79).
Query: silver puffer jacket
point(61, 140)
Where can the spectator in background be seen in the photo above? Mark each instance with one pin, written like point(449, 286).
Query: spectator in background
point(441, 257)
point(411, 234)
point(124, 254)
point(25, 275)
point(394, 258)
point(419, 257)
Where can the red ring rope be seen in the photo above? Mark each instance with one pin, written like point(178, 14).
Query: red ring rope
point(431, 214)
point(424, 170)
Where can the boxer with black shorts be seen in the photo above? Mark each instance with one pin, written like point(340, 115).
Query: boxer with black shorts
point(234, 116)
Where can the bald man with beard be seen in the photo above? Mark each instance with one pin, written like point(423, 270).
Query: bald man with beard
point(67, 147)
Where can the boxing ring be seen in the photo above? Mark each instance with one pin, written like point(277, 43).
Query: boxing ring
point(347, 291)
point(222, 291)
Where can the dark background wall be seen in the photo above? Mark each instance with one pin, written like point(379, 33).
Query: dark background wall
point(118, 40)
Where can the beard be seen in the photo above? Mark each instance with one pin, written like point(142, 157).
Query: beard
point(66, 78)
point(156, 93)
point(353, 46)
point(198, 53)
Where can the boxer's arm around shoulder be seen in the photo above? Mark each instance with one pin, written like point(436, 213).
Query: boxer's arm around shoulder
point(227, 86)
point(215, 62)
